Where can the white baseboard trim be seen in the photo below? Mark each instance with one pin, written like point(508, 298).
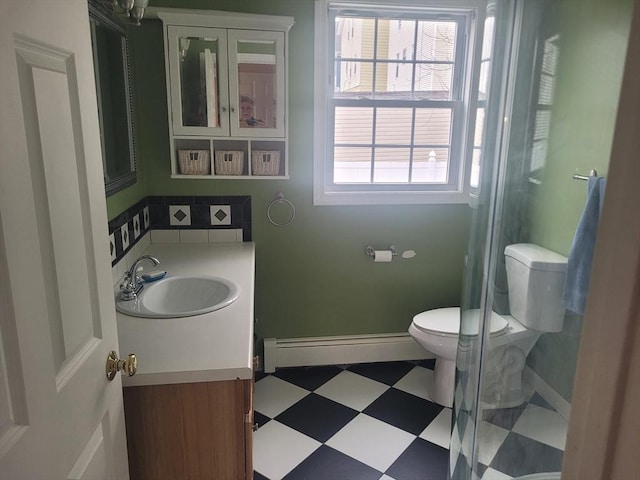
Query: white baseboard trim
point(340, 350)
point(547, 392)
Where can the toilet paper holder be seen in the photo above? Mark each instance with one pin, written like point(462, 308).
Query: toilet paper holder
point(371, 252)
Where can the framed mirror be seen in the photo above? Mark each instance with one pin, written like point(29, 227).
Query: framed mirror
point(114, 91)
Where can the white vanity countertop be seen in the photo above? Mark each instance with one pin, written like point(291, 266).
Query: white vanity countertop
point(203, 348)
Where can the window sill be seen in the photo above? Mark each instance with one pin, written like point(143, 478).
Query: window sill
point(322, 198)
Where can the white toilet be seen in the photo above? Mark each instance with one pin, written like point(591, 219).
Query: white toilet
point(535, 278)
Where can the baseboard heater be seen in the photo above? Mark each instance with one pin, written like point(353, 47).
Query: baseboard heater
point(340, 350)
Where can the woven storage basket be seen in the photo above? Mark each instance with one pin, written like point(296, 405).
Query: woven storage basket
point(194, 162)
point(229, 162)
point(265, 162)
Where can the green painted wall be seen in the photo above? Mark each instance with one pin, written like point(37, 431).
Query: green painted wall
point(312, 277)
point(594, 35)
point(119, 202)
point(593, 42)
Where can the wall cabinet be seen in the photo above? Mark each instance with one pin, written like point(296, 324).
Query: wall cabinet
point(226, 93)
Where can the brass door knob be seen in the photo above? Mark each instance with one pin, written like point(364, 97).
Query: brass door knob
point(114, 365)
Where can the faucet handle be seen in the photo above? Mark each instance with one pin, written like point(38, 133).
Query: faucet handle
point(127, 283)
point(132, 283)
point(125, 280)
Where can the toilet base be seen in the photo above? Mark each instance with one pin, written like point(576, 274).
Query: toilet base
point(444, 376)
point(503, 378)
point(504, 360)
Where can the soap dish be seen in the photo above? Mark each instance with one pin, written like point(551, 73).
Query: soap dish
point(153, 276)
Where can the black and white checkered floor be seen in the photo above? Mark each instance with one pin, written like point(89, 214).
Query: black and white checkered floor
point(376, 421)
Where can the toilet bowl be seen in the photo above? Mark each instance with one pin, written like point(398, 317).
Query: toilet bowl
point(535, 277)
point(437, 331)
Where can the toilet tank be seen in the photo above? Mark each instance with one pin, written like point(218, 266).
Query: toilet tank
point(535, 277)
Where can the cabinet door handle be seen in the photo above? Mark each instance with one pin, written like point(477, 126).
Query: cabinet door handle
point(233, 109)
point(224, 109)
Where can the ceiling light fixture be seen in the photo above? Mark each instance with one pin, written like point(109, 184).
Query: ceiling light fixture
point(133, 8)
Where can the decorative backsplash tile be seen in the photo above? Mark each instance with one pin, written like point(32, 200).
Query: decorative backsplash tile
point(180, 215)
point(184, 213)
point(112, 247)
point(145, 216)
point(136, 226)
point(124, 232)
point(220, 214)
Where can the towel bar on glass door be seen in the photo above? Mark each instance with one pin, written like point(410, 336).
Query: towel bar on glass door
point(592, 173)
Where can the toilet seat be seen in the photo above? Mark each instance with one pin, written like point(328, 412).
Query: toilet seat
point(446, 322)
point(440, 321)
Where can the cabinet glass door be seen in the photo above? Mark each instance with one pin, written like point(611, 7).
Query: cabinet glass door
point(198, 71)
point(256, 83)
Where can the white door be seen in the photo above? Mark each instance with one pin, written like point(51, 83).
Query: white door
point(59, 416)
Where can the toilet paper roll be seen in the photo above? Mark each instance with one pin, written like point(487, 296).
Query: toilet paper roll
point(382, 256)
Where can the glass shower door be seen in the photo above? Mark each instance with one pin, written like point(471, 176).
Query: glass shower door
point(548, 102)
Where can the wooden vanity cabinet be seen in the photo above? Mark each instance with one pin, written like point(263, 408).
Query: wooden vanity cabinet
point(190, 430)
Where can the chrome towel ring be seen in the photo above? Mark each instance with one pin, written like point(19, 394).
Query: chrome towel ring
point(279, 200)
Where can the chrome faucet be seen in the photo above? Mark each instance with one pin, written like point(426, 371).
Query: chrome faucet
point(132, 284)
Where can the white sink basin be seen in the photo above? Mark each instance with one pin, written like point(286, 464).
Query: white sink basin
point(180, 296)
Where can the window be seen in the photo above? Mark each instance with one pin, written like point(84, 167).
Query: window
point(546, 88)
point(399, 134)
point(481, 102)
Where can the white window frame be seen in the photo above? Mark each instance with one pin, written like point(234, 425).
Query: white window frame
point(324, 192)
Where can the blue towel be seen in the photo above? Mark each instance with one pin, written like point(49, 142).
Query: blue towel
point(576, 286)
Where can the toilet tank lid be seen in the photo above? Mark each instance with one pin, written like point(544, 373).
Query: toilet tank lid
point(536, 257)
point(447, 321)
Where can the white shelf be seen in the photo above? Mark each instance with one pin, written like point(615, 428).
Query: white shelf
point(230, 177)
